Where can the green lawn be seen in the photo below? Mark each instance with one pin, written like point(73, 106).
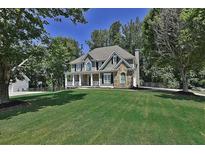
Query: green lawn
point(96, 116)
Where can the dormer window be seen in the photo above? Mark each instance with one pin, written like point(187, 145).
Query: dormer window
point(88, 66)
point(114, 59)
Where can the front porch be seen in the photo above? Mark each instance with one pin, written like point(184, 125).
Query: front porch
point(85, 80)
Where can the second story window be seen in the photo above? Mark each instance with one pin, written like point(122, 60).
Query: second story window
point(78, 67)
point(88, 66)
point(114, 59)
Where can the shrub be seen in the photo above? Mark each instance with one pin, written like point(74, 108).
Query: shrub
point(202, 83)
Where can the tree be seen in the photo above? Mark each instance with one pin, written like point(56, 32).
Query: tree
point(35, 67)
point(179, 38)
point(99, 38)
point(102, 38)
point(51, 61)
point(132, 35)
point(149, 56)
point(60, 52)
point(21, 28)
point(115, 33)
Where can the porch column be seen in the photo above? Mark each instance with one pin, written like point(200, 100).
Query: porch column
point(66, 80)
point(137, 70)
point(91, 79)
point(73, 83)
point(79, 79)
point(99, 80)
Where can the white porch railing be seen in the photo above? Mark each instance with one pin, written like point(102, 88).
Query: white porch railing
point(95, 83)
point(76, 83)
point(69, 84)
point(107, 84)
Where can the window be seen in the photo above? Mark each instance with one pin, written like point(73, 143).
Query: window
point(115, 59)
point(93, 64)
point(107, 78)
point(78, 67)
point(122, 78)
point(88, 66)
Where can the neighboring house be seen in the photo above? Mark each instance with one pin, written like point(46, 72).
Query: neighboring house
point(19, 85)
point(109, 66)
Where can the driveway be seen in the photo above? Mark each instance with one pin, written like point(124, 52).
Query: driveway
point(24, 93)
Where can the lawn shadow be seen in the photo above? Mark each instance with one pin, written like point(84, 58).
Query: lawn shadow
point(177, 96)
point(40, 101)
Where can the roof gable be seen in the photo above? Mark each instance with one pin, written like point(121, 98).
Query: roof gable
point(87, 56)
point(25, 77)
point(78, 60)
point(122, 61)
point(108, 59)
point(103, 53)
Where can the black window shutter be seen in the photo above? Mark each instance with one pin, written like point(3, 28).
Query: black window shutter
point(97, 65)
point(117, 59)
point(111, 78)
point(75, 67)
point(102, 79)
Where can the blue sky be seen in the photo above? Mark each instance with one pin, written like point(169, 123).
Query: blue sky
point(97, 19)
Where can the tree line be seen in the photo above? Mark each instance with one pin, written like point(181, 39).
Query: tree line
point(128, 36)
point(174, 41)
point(171, 41)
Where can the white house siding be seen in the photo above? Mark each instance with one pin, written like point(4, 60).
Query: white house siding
point(19, 86)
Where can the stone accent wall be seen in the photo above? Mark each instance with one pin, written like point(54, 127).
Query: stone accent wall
point(128, 74)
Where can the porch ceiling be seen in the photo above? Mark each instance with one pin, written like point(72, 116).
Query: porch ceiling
point(89, 72)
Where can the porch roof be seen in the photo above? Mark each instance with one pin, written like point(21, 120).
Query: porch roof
point(89, 72)
point(94, 72)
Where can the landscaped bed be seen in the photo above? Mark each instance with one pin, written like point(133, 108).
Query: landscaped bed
point(94, 116)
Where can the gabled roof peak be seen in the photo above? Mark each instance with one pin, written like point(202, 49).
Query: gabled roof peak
point(103, 53)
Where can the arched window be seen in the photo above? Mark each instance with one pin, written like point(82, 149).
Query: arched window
point(122, 78)
point(88, 66)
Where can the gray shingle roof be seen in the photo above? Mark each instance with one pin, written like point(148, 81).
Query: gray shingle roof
point(104, 52)
point(78, 60)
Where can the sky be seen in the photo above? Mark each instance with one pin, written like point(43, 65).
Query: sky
point(97, 19)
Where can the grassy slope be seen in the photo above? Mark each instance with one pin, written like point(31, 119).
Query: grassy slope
point(105, 117)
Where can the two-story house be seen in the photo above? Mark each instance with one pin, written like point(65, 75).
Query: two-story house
point(109, 66)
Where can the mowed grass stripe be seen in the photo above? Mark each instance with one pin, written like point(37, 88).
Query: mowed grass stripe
point(97, 116)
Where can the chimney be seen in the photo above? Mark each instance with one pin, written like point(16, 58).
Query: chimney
point(136, 76)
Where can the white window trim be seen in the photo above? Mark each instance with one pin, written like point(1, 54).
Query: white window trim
point(78, 67)
point(114, 59)
point(125, 78)
point(107, 81)
point(86, 66)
